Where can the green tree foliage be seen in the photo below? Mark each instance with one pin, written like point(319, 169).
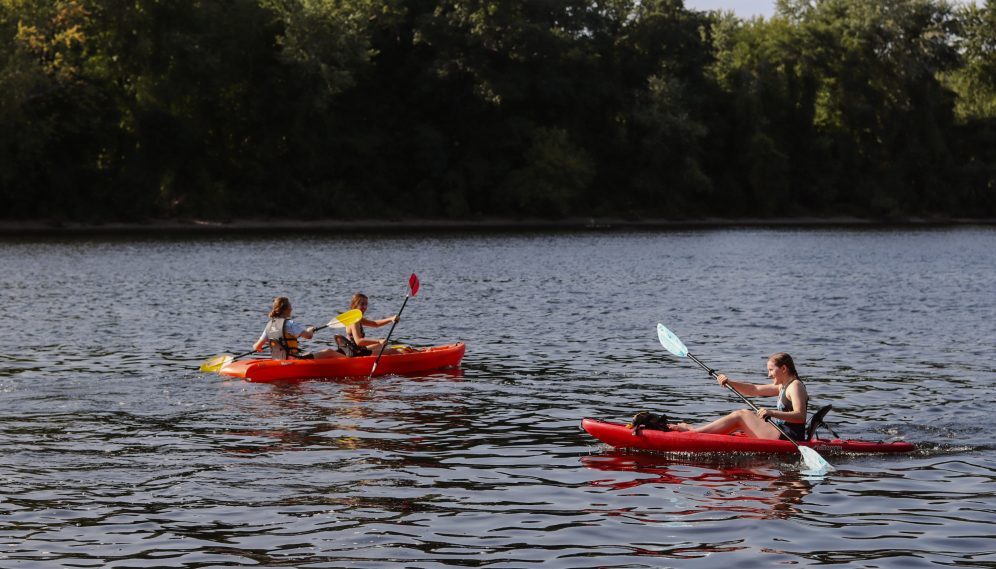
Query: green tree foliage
point(554, 176)
point(381, 108)
point(662, 55)
point(50, 115)
point(772, 155)
point(838, 104)
point(880, 99)
point(975, 82)
point(328, 38)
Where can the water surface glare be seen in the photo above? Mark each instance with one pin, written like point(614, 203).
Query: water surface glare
point(117, 452)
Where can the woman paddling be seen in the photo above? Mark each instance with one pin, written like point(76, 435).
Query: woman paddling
point(281, 333)
point(791, 413)
point(354, 332)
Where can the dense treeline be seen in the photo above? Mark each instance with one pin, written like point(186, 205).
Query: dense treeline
point(113, 109)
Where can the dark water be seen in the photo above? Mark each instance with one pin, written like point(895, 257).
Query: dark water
point(117, 452)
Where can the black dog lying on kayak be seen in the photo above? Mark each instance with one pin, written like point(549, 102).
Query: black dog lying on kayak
point(648, 420)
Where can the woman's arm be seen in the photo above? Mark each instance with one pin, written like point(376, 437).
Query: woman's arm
point(379, 323)
point(748, 388)
point(353, 331)
point(258, 346)
point(360, 340)
point(796, 393)
point(766, 390)
point(298, 331)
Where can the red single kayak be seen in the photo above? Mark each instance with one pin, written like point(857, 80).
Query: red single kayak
point(275, 370)
point(620, 436)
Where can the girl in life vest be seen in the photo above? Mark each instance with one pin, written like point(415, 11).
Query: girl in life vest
point(790, 416)
point(281, 334)
point(355, 332)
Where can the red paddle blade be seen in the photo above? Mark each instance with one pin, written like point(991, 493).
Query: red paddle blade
point(413, 284)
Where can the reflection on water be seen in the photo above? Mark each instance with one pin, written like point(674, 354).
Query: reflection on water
point(756, 492)
point(117, 452)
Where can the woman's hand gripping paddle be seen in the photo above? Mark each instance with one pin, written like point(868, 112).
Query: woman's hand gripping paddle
point(413, 286)
point(672, 344)
point(341, 321)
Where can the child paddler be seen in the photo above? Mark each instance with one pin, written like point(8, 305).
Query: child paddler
point(281, 334)
point(791, 413)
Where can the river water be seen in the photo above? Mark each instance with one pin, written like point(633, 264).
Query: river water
point(117, 452)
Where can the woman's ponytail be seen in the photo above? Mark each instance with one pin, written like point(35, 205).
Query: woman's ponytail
point(279, 306)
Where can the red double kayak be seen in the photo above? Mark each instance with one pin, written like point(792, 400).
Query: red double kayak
point(620, 436)
point(274, 370)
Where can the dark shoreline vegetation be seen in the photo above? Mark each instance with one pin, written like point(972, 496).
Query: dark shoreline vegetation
point(187, 226)
point(347, 109)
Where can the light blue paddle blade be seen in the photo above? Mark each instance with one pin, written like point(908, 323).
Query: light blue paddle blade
point(671, 342)
point(814, 461)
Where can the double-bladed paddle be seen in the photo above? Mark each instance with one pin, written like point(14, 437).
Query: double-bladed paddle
point(674, 345)
point(413, 287)
point(341, 321)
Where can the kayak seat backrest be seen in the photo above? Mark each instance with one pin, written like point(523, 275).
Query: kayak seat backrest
point(816, 421)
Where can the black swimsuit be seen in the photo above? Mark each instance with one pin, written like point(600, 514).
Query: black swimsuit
point(357, 350)
point(362, 334)
point(795, 430)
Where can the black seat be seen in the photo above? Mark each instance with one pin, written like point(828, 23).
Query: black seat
point(817, 421)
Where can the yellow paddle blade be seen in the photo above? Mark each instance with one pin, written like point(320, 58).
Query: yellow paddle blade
point(215, 364)
point(345, 319)
point(405, 349)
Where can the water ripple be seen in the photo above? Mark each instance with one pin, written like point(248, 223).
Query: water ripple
point(117, 452)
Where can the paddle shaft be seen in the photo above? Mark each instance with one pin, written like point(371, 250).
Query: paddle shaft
point(388, 339)
point(713, 373)
point(243, 355)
